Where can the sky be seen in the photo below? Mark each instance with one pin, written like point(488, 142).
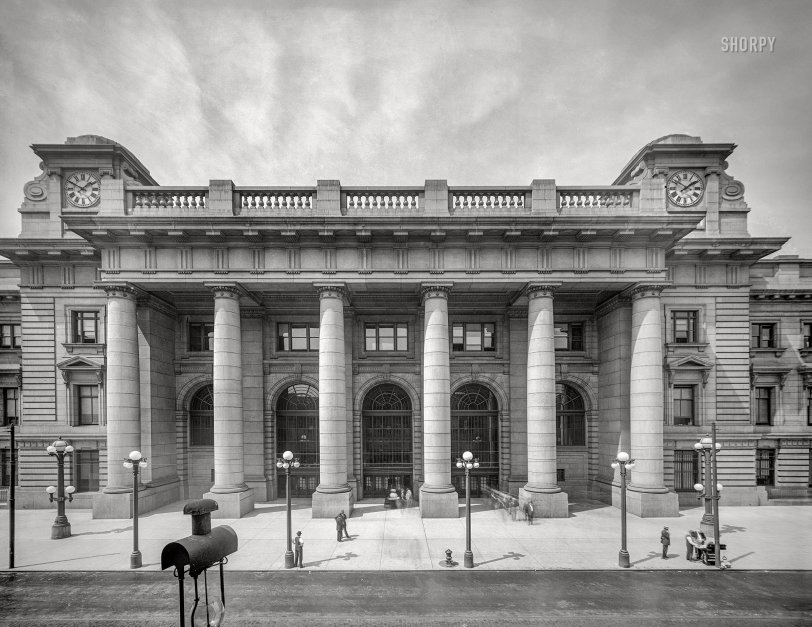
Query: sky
point(397, 92)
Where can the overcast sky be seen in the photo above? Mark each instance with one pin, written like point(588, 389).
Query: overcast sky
point(389, 93)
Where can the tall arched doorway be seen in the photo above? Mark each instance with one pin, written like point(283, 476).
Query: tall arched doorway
point(387, 440)
point(201, 442)
point(475, 428)
point(297, 430)
point(570, 416)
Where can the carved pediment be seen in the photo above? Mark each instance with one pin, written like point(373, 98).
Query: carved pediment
point(81, 365)
point(689, 363)
point(768, 374)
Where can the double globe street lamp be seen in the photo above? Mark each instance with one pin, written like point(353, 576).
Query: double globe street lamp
point(61, 527)
point(624, 463)
point(468, 462)
point(710, 490)
point(286, 462)
point(135, 462)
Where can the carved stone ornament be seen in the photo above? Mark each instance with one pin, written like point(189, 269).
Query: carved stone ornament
point(643, 291)
point(539, 290)
point(225, 291)
point(434, 291)
point(732, 190)
point(333, 291)
point(120, 291)
point(37, 190)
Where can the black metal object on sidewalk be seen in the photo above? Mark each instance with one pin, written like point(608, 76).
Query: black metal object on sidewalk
point(203, 549)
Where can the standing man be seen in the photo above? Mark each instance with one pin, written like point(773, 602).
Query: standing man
point(665, 539)
point(339, 525)
point(344, 524)
point(298, 549)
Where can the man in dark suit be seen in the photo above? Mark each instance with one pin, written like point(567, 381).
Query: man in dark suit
point(665, 540)
point(339, 526)
point(298, 550)
point(344, 524)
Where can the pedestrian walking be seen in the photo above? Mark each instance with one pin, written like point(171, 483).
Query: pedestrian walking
point(339, 526)
point(665, 540)
point(408, 497)
point(344, 524)
point(529, 512)
point(298, 550)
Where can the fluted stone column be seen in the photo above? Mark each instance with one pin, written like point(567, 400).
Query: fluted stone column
point(233, 496)
point(438, 499)
point(647, 494)
point(333, 492)
point(542, 487)
point(123, 402)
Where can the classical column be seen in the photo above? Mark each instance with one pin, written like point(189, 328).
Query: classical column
point(438, 499)
point(229, 490)
point(647, 494)
point(333, 492)
point(123, 401)
point(542, 486)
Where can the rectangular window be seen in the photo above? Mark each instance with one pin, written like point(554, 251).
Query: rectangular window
point(85, 327)
point(87, 404)
point(11, 405)
point(684, 405)
point(569, 336)
point(570, 429)
point(762, 335)
point(807, 335)
point(199, 333)
point(386, 337)
point(684, 326)
point(201, 428)
point(765, 466)
point(473, 336)
point(764, 406)
point(9, 336)
point(86, 471)
point(297, 337)
point(5, 467)
point(686, 470)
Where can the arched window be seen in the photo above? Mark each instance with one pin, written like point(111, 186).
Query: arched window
point(570, 416)
point(475, 428)
point(297, 430)
point(387, 440)
point(201, 417)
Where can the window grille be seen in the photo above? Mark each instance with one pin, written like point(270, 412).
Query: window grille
point(570, 417)
point(686, 470)
point(765, 466)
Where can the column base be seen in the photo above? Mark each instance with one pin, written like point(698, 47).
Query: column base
point(649, 504)
point(60, 531)
point(150, 497)
point(546, 504)
point(329, 504)
point(232, 504)
point(439, 504)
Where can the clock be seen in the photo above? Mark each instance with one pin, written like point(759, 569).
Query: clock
point(82, 189)
point(685, 188)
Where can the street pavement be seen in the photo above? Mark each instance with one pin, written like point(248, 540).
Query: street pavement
point(449, 597)
point(757, 538)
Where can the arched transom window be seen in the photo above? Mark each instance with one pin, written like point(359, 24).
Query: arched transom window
point(570, 416)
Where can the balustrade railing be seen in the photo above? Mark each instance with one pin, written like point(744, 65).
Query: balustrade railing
point(382, 199)
point(172, 198)
point(276, 199)
point(502, 199)
point(596, 197)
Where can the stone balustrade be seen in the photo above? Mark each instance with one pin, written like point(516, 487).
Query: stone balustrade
point(383, 199)
point(596, 197)
point(504, 199)
point(169, 198)
point(276, 199)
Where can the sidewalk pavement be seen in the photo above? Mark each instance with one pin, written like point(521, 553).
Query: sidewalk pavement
point(757, 538)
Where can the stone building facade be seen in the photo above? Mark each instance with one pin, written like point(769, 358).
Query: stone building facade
point(379, 332)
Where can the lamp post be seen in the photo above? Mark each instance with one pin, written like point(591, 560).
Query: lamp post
point(61, 527)
point(135, 462)
point(624, 464)
point(468, 462)
point(286, 462)
point(710, 490)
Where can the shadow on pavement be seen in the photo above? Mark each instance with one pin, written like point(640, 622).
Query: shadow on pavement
point(507, 556)
point(346, 558)
point(102, 533)
point(70, 559)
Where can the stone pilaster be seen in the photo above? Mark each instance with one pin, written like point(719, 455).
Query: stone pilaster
point(542, 487)
point(647, 494)
point(333, 492)
point(233, 496)
point(438, 499)
point(123, 402)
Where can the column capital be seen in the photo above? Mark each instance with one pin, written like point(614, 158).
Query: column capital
point(537, 290)
point(333, 290)
point(646, 291)
point(435, 290)
point(120, 290)
point(225, 290)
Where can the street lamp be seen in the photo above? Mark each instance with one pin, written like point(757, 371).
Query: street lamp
point(468, 462)
point(286, 462)
point(624, 463)
point(61, 527)
point(135, 462)
point(710, 490)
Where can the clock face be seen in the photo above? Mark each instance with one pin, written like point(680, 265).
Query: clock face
point(685, 188)
point(82, 189)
